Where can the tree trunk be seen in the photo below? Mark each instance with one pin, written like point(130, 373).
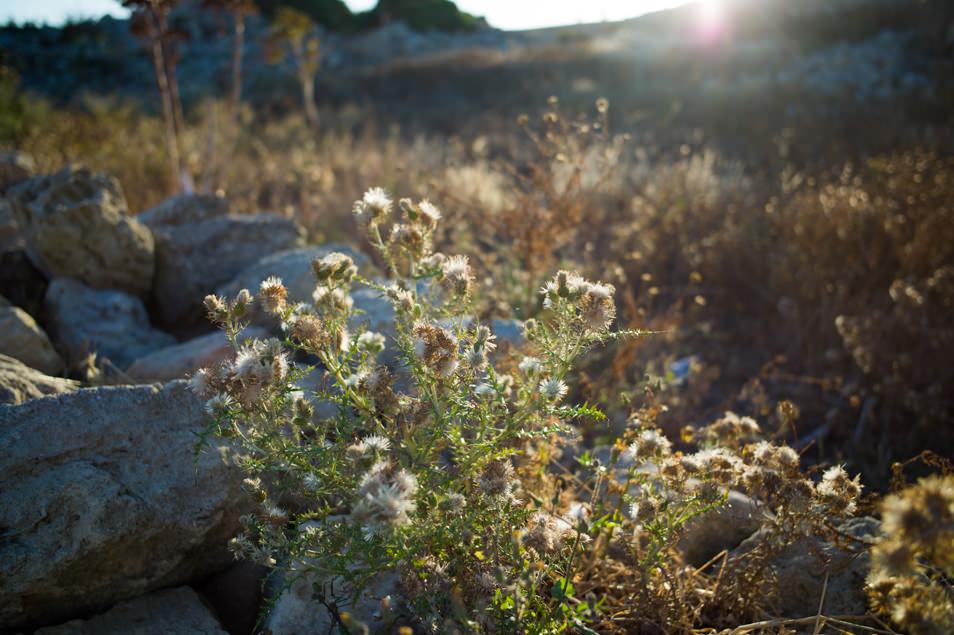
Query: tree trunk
point(307, 80)
point(210, 172)
point(162, 81)
point(308, 95)
point(184, 178)
point(238, 44)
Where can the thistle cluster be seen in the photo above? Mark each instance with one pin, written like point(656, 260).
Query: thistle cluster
point(593, 301)
point(259, 366)
point(421, 462)
point(386, 493)
point(654, 492)
point(912, 566)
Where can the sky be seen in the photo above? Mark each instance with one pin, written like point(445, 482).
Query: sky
point(504, 14)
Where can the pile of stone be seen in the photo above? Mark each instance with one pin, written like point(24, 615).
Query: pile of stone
point(87, 273)
point(107, 512)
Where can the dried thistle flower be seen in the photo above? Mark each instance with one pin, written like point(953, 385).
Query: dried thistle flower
point(201, 382)
point(335, 267)
point(385, 498)
point(334, 300)
point(837, 491)
point(597, 306)
point(913, 563)
point(497, 479)
point(370, 342)
point(216, 309)
point(456, 276)
point(649, 443)
point(436, 347)
point(309, 331)
point(530, 365)
point(553, 389)
point(373, 207)
point(272, 294)
point(547, 533)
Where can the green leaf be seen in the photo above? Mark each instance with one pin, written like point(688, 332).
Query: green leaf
point(562, 589)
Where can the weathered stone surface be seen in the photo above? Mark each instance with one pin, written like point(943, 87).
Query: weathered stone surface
point(297, 611)
point(10, 235)
point(178, 611)
point(102, 499)
point(14, 168)
point(199, 249)
point(20, 383)
point(185, 208)
point(720, 529)
point(293, 266)
point(377, 314)
point(180, 360)
point(77, 224)
point(113, 324)
point(801, 568)
point(23, 339)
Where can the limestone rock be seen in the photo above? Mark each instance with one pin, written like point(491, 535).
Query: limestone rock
point(23, 339)
point(723, 528)
point(20, 383)
point(800, 570)
point(14, 168)
point(297, 611)
point(185, 208)
point(102, 499)
point(293, 266)
point(180, 360)
point(199, 249)
point(11, 237)
point(378, 315)
point(178, 611)
point(112, 324)
point(77, 224)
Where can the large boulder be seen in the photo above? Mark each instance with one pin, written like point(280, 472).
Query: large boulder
point(198, 249)
point(21, 338)
point(720, 529)
point(183, 209)
point(112, 324)
point(20, 383)
point(293, 266)
point(76, 224)
point(178, 611)
point(801, 569)
point(175, 362)
point(103, 498)
point(376, 313)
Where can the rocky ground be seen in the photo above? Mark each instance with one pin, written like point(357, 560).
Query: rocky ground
point(109, 521)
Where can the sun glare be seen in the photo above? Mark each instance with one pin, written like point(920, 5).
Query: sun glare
point(711, 22)
point(711, 11)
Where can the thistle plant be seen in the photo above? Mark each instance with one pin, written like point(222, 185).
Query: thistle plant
point(422, 467)
point(648, 496)
point(912, 566)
